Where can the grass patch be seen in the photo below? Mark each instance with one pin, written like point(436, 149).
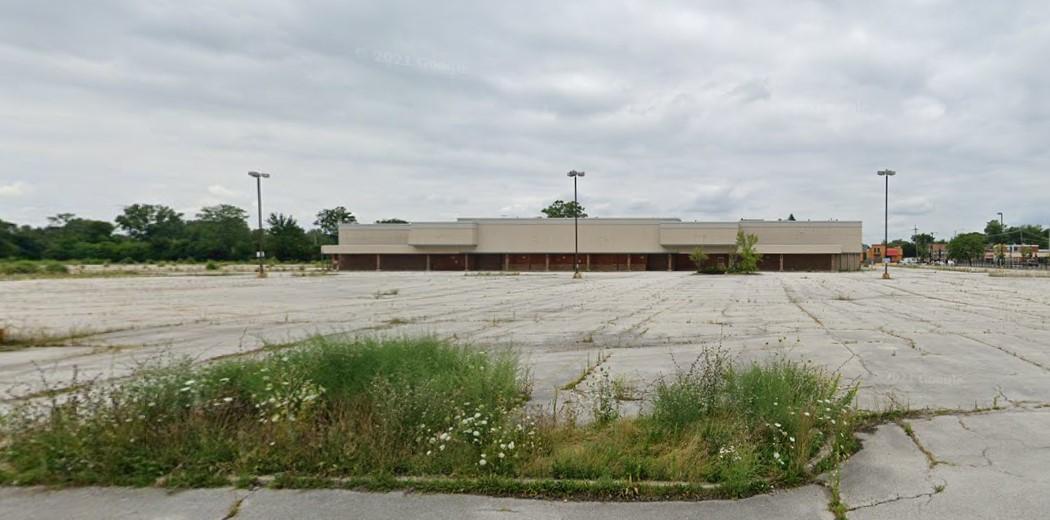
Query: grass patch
point(426, 415)
point(386, 292)
point(19, 338)
point(44, 269)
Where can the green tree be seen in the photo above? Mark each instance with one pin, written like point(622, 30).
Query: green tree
point(329, 220)
point(994, 232)
point(747, 253)
point(1000, 253)
point(698, 256)
point(67, 236)
point(391, 221)
point(922, 243)
point(150, 222)
point(967, 247)
point(286, 240)
point(220, 233)
point(8, 244)
point(1027, 234)
point(562, 209)
point(791, 217)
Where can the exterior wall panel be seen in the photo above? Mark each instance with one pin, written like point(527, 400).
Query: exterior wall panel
point(402, 262)
point(612, 244)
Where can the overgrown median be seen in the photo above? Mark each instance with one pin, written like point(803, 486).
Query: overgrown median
point(431, 416)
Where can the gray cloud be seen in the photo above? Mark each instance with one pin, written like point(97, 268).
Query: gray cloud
point(425, 110)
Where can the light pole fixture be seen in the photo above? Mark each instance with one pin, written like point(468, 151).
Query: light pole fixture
point(576, 224)
point(886, 238)
point(1001, 247)
point(260, 254)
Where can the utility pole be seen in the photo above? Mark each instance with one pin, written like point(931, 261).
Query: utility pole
point(915, 240)
point(260, 254)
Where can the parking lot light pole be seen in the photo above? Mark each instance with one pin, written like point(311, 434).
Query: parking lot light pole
point(576, 224)
point(1002, 241)
point(260, 254)
point(886, 239)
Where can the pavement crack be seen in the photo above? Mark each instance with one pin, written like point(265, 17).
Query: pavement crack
point(937, 490)
point(931, 459)
point(235, 507)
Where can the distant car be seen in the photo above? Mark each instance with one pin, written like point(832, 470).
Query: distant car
point(910, 261)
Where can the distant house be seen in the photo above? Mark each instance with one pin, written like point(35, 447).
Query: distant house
point(877, 252)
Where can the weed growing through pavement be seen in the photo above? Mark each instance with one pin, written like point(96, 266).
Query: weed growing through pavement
point(386, 292)
point(380, 410)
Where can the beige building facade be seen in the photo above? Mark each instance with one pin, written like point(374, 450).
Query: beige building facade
point(605, 244)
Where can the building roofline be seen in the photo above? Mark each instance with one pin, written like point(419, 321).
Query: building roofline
point(608, 220)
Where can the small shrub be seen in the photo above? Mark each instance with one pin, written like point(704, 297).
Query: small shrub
point(211, 266)
point(606, 408)
point(746, 257)
point(698, 257)
point(714, 269)
point(55, 268)
point(19, 267)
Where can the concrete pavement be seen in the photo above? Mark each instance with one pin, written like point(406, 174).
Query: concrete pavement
point(925, 339)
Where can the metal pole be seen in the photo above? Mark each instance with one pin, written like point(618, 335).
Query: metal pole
point(258, 194)
point(576, 229)
point(886, 237)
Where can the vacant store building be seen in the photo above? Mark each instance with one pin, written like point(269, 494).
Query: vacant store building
point(605, 244)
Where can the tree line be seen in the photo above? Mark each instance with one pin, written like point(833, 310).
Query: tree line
point(153, 232)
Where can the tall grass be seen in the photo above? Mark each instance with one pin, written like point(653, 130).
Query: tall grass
point(327, 408)
point(423, 407)
point(745, 427)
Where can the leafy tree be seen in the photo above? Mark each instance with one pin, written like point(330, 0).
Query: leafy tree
point(967, 247)
point(391, 221)
point(1027, 253)
point(1000, 253)
point(60, 220)
point(698, 256)
point(791, 217)
point(220, 233)
point(747, 255)
point(150, 222)
point(1027, 234)
point(286, 239)
point(330, 219)
point(922, 243)
point(8, 245)
point(994, 232)
point(562, 209)
point(68, 236)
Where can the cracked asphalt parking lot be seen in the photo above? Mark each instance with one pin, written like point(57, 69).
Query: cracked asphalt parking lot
point(926, 339)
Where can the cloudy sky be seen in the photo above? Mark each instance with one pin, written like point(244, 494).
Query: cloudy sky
point(433, 110)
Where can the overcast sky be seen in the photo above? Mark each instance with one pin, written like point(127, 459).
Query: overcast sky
point(434, 110)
